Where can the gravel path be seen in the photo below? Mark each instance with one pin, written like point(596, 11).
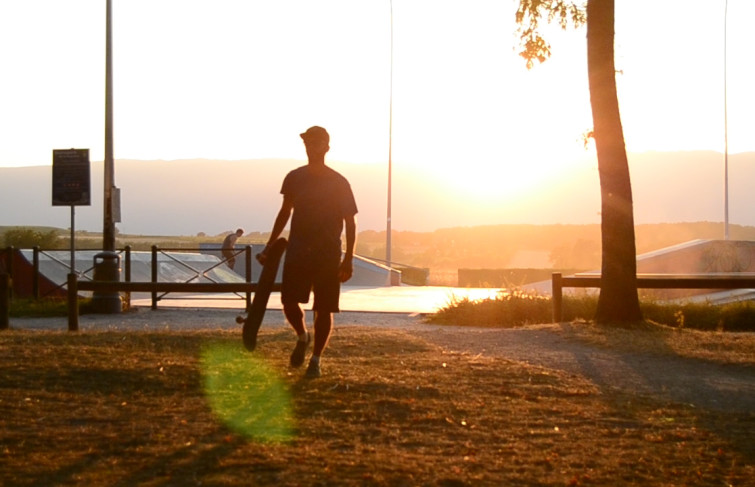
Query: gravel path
point(701, 384)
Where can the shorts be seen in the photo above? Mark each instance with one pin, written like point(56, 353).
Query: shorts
point(302, 278)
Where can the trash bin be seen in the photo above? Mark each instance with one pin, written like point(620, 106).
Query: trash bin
point(107, 267)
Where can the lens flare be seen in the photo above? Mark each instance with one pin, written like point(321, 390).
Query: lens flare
point(247, 394)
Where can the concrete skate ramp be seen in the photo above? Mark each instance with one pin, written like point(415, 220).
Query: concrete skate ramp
point(696, 257)
point(55, 265)
point(366, 272)
point(701, 257)
point(23, 276)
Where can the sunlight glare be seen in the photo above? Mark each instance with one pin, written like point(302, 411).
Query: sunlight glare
point(246, 394)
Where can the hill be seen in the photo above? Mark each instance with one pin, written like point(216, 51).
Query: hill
point(445, 251)
point(187, 197)
point(529, 246)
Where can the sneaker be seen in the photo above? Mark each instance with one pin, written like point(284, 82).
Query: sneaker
point(297, 356)
point(313, 370)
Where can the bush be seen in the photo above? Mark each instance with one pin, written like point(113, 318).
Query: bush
point(518, 308)
point(507, 309)
point(737, 317)
point(27, 238)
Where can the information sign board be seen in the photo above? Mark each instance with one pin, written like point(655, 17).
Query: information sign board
point(70, 177)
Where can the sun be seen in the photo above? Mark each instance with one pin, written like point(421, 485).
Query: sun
point(507, 177)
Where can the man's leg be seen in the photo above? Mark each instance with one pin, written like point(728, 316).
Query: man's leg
point(323, 326)
point(327, 289)
point(295, 316)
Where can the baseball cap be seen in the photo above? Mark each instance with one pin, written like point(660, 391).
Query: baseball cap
point(316, 132)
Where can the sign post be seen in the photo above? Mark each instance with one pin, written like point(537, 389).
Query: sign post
point(71, 185)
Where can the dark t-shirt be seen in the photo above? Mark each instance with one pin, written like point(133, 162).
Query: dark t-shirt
point(229, 244)
point(322, 198)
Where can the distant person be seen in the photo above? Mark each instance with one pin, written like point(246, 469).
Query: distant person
point(320, 203)
point(229, 247)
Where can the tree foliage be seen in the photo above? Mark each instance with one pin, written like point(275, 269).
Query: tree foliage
point(27, 238)
point(533, 45)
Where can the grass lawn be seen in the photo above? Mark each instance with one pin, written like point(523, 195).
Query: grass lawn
point(193, 408)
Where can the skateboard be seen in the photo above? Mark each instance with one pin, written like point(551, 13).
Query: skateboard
point(257, 309)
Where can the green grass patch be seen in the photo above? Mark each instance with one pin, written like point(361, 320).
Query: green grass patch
point(45, 308)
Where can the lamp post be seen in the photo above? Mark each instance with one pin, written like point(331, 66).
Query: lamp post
point(108, 227)
point(107, 263)
point(726, 131)
point(390, 153)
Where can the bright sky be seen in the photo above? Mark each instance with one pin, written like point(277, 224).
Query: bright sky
point(239, 79)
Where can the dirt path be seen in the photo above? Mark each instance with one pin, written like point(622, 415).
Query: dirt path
point(689, 381)
point(667, 377)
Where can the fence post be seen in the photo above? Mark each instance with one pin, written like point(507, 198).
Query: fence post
point(73, 302)
point(248, 256)
point(4, 301)
point(557, 293)
point(127, 274)
point(11, 253)
point(154, 275)
point(35, 276)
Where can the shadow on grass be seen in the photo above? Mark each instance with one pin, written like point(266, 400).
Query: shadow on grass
point(643, 360)
point(393, 408)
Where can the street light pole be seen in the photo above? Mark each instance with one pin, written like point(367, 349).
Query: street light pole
point(108, 227)
point(107, 263)
point(726, 131)
point(390, 152)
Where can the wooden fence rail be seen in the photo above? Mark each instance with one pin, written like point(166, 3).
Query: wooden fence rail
point(651, 281)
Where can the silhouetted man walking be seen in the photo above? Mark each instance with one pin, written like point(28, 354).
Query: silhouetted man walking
point(320, 204)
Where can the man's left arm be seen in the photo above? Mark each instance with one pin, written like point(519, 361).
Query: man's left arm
point(347, 267)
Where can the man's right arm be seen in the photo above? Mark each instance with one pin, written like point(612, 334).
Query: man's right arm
point(280, 223)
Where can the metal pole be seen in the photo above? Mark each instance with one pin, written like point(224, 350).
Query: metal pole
point(127, 274)
point(248, 274)
point(154, 275)
point(108, 227)
point(73, 242)
point(390, 154)
point(35, 279)
point(726, 132)
point(73, 302)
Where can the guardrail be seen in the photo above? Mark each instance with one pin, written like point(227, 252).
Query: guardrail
point(651, 281)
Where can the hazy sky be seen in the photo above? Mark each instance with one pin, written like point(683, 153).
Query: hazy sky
point(239, 79)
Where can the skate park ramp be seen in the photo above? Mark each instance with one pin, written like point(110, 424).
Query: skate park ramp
point(696, 257)
point(55, 265)
point(702, 257)
point(374, 296)
point(366, 271)
point(368, 290)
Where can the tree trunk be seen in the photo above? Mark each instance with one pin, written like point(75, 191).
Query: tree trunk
point(618, 301)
